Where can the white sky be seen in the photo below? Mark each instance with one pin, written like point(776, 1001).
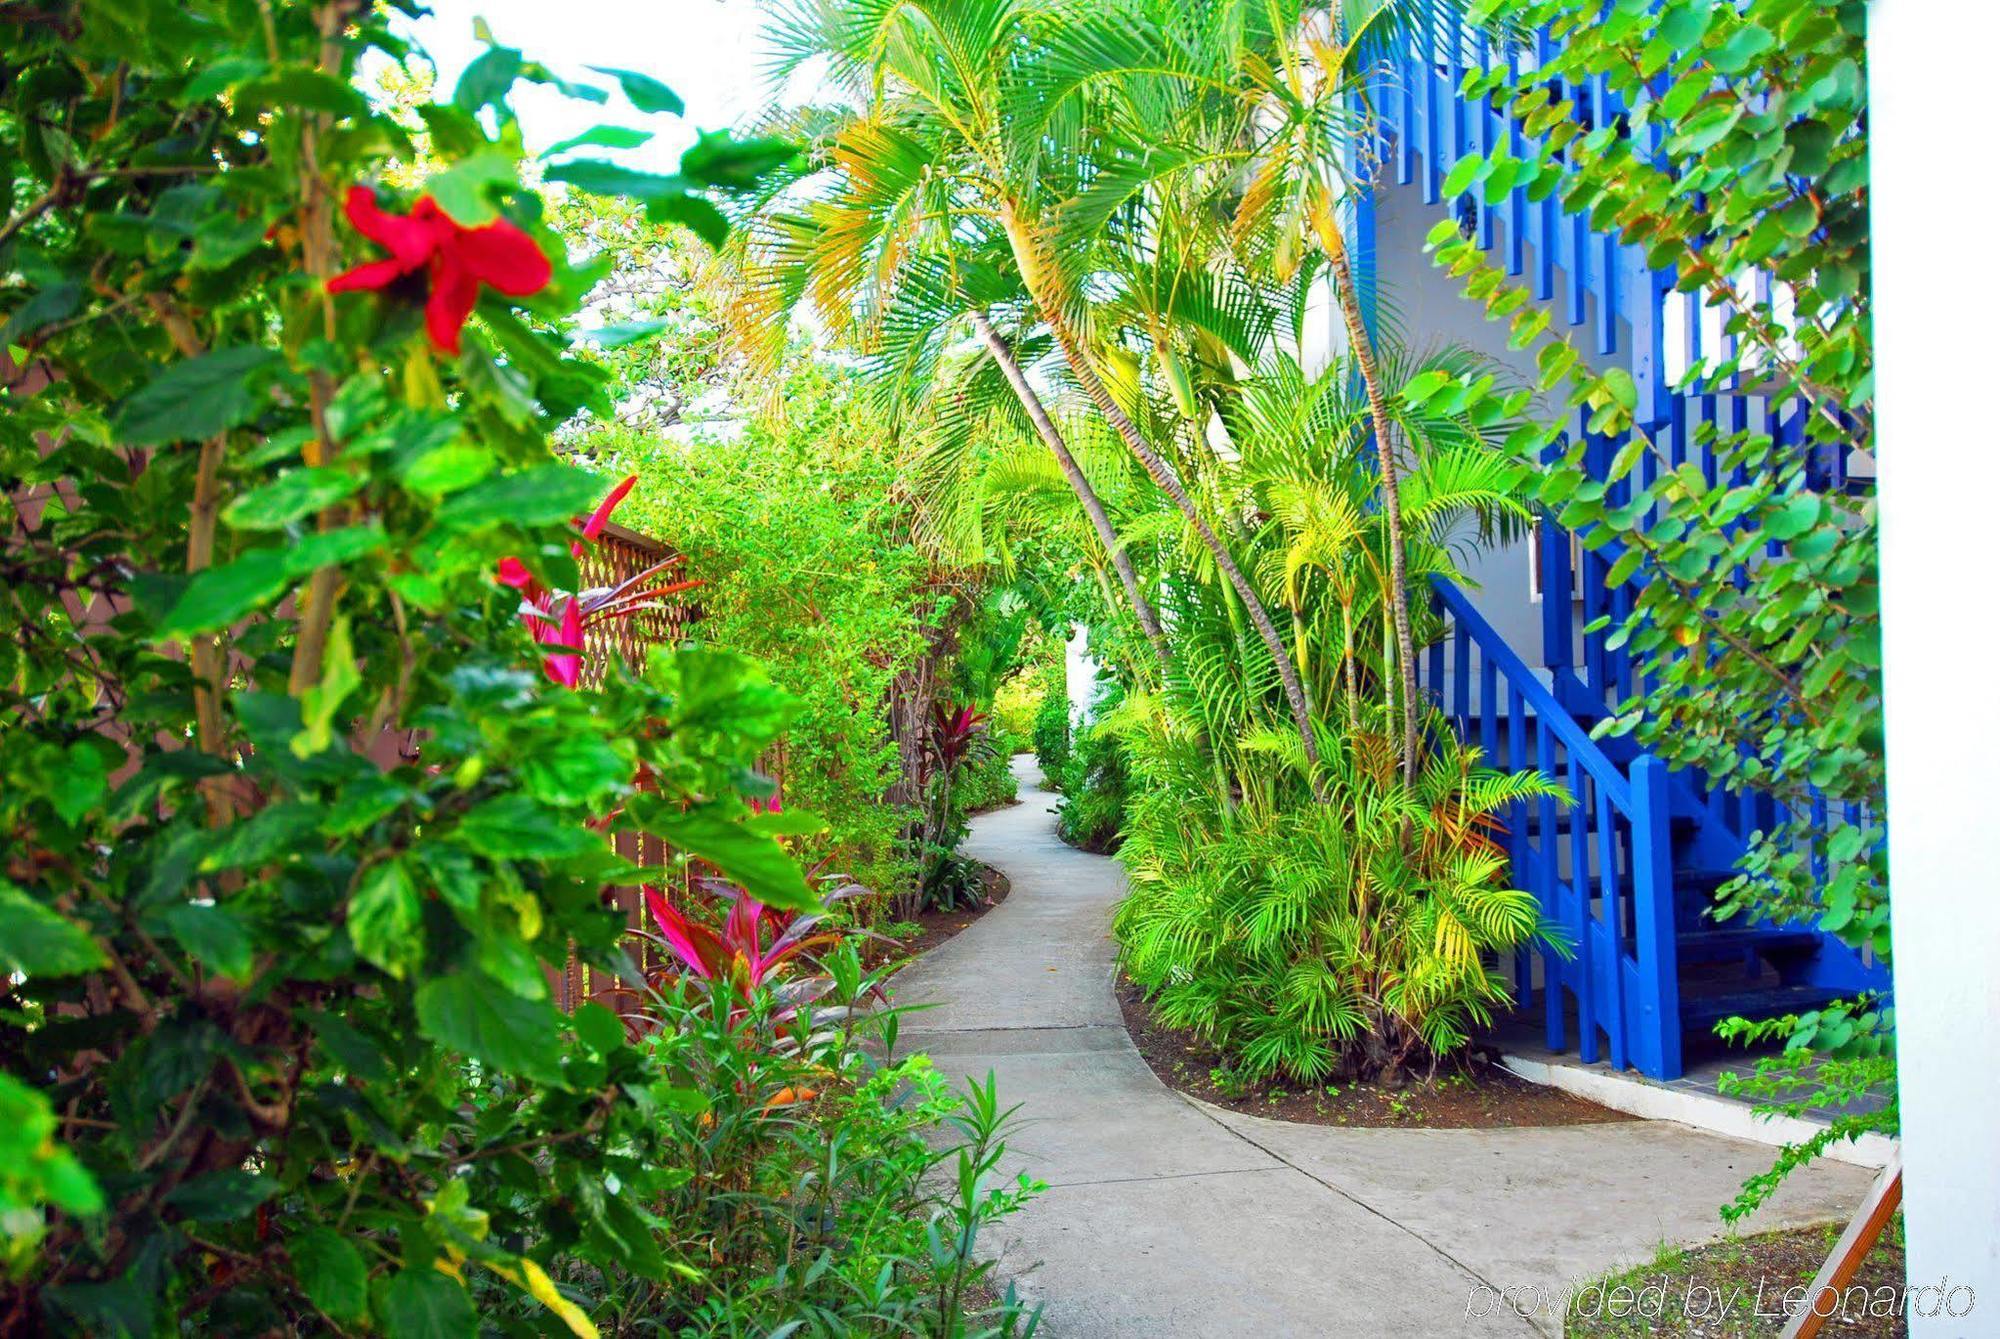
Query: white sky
point(707, 51)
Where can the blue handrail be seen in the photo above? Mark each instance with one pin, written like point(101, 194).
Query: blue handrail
point(1573, 736)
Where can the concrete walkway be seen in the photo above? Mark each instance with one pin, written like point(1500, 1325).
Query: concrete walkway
point(1165, 1216)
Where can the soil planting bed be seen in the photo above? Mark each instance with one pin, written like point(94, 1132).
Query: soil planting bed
point(1471, 1093)
point(938, 926)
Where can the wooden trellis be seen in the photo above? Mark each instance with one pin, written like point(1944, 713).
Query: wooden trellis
point(619, 555)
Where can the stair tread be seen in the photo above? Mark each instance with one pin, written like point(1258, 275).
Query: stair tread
point(1760, 1002)
point(1708, 945)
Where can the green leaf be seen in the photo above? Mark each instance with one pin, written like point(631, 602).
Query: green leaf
point(540, 495)
point(487, 80)
point(290, 496)
point(1744, 46)
point(219, 596)
point(339, 676)
point(643, 91)
point(598, 1027)
point(384, 916)
point(602, 137)
point(744, 856)
point(515, 827)
point(1685, 23)
point(79, 783)
point(274, 830)
point(476, 1016)
point(35, 941)
point(1622, 387)
point(692, 212)
point(35, 1161)
point(447, 469)
point(619, 336)
point(224, 1196)
point(575, 771)
point(465, 189)
point(1424, 385)
point(196, 398)
point(214, 936)
point(331, 1271)
point(1463, 173)
point(421, 1303)
point(720, 159)
point(303, 88)
point(601, 178)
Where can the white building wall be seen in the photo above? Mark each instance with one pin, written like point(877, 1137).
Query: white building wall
point(1429, 310)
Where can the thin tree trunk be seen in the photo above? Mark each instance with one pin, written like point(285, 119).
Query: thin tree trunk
point(1169, 482)
point(1093, 506)
point(1363, 349)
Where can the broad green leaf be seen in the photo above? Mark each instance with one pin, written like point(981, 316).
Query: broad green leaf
point(575, 771)
point(487, 79)
point(215, 936)
point(744, 856)
point(331, 1271)
point(601, 137)
point(643, 91)
point(384, 917)
point(720, 159)
point(515, 827)
point(278, 829)
point(79, 784)
point(305, 89)
point(465, 189)
point(35, 1161)
point(421, 1303)
point(339, 676)
point(619, 336)
point(601, 178)
point(196, 398)
point(539, 495)
point(693, 212)
point(474, 1015)
point(598, 1027)
point(219, 596)
point(288, 497)
point(1424, 385)
point(447, 469)
point(222, 1196)
point(35, 941)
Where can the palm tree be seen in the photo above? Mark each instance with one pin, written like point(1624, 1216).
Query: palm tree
point(936, 175)
point(1256, 110)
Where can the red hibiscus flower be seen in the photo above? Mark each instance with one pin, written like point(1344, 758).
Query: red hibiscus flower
point(457, 259)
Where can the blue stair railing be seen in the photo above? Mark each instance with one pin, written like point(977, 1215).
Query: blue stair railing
point(1627, 874)
point(1601, 867)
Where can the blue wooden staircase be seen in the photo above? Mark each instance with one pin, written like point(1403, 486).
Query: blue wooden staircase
point(1628, 872)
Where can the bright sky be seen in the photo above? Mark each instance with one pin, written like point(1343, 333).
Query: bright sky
point(707, 51)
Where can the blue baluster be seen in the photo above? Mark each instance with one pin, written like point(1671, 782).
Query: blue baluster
point(1659, 1023)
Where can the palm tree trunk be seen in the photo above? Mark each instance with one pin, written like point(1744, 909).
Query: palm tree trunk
point(1093, 506)
point(1363, 349)
point(1169, 482)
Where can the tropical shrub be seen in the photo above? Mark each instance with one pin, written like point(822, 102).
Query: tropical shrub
point(988, 782)
point(1051, 737)
point(299, 815)
point(797, 531)
point(1096, 781)
point(1348, 939)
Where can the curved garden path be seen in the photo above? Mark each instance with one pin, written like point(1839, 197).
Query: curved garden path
point(1168, 1217)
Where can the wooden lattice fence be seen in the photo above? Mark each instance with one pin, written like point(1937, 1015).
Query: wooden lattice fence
point(620, 555)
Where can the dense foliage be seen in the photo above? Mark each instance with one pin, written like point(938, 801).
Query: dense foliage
point(1743, 167)
point(1081, 245)
point(300, 815)
point(794, 521)
point(1340, 940)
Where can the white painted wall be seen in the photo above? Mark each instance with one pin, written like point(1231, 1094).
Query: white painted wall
point(1430, 309)
point(1079, 674)
point(1930, 76)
